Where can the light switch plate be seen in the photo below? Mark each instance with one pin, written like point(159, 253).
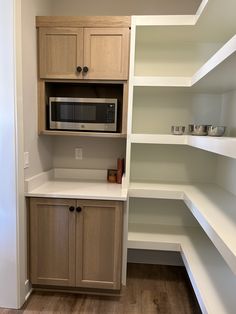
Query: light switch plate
point(26, 160)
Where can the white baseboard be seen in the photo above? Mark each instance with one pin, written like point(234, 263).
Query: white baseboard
point(28, 289)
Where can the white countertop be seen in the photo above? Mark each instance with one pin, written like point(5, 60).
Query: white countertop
point(50, 184)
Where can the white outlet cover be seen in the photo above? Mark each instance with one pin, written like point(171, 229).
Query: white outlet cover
point(79, 153)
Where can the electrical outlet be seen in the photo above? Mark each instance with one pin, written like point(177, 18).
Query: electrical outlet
point(79, 153)
point(26, 160)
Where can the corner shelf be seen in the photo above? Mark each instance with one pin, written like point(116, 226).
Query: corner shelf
point(205, 266)
point(216, 75)
point(213, 207)
point(225, 146)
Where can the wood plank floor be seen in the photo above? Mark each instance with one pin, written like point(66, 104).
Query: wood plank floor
point(150, 289)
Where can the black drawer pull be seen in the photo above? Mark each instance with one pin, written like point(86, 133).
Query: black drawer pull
point(79, 209)
point(85, 69)
point(71, 208)
point(79, 69)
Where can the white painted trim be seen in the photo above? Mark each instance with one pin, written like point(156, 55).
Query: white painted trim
point(163, 81)
point(28, 289)
point(201, 8)
point(222, 54)
point(162, 20)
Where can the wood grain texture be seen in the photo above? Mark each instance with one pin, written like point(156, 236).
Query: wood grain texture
point(99, 244)
point(52, 242)
point(83, 21)
point(60, 52)
point(41, 106)
point(106, 53)
point(125, 108)
point(151, 289)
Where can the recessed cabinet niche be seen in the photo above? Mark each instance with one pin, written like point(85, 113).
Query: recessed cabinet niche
point(76, 243)
point(83, 53)
point(117, 90)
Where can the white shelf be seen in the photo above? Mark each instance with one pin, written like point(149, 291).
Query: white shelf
point(175, 81)
point(211, 278)
point(164, 20)
point(213, 207)
point(156, 190)
point(158, 139)
point(216, 75)
point(225, 146)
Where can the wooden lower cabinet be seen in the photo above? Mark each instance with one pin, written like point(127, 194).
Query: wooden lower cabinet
point(76, 243)
point(99, 244)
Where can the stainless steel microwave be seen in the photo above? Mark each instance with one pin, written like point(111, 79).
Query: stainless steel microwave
point(83, 114)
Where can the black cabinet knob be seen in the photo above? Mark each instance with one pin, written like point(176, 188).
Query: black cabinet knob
point(71, 208)
point(79, 69)
point(78, 209)
point(85, 69)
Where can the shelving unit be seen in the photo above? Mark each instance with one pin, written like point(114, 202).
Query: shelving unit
point(213, 208)
point(225, 146)
point(204, 264)
point(178, 75)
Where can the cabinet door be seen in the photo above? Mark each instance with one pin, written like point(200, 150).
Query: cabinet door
point(99, 244)
point(60, 52)
point(52, 242)
point(106, 53)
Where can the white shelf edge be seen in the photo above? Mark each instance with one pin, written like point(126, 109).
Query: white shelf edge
point(200, 258)
point(162, 81)
point(225, 146)
point(193, 195)
point(161, 20)
point(168, 20)
point(221, 55)
point(181, 81)
point(158, 139)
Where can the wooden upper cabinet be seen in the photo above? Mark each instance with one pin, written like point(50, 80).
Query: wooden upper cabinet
point(99, 244)
point(106, 53)
point(60, 53)
point(52, 242)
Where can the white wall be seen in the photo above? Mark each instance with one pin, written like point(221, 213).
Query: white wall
point(40, 148)
point(123, 7)
point(157, 109)
point(171, 163)
point(98, 153)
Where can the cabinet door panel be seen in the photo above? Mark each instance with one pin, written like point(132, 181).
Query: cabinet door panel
point(106, 53)
point(60, 52)
point(99, 242)
point(52, 242)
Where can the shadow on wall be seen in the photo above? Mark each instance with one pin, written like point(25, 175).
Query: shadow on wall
point(123, 7)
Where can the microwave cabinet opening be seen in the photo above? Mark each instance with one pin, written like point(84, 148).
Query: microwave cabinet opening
point(69, 108)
